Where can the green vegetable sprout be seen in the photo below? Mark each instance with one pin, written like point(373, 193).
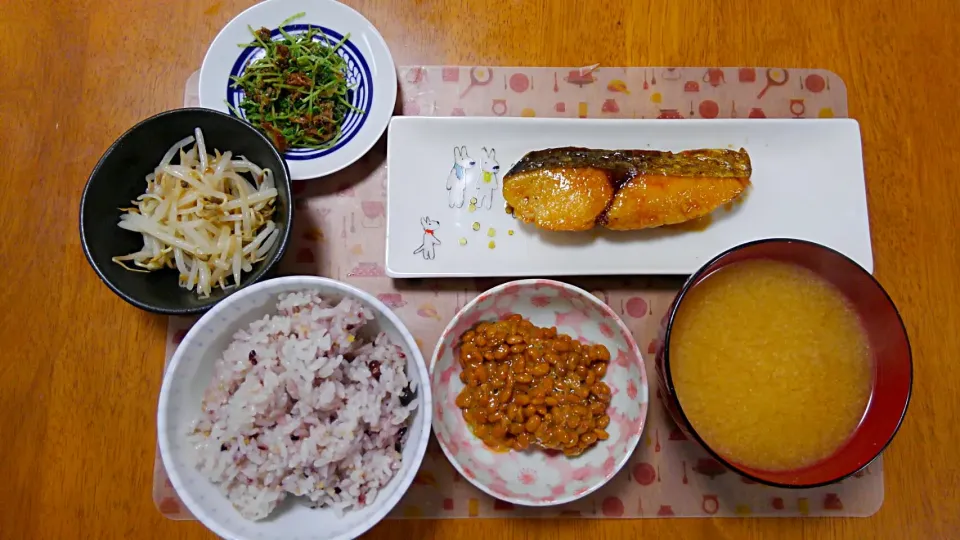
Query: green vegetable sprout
point(297, 93)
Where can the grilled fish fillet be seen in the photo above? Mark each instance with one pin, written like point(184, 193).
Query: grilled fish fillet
point(576, 189)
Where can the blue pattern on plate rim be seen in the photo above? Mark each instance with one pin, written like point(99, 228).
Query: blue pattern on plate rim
point(358, 76)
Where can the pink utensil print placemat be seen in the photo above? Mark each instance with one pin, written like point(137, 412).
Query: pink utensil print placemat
point(339, 233)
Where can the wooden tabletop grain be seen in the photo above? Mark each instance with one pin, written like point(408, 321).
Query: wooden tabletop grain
point(80, 370)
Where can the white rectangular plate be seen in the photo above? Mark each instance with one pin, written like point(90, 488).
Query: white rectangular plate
point(807, 183)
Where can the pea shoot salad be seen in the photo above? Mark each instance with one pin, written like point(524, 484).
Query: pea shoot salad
point(297, 94)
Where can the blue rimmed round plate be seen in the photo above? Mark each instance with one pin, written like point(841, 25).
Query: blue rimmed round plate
point(370, 74)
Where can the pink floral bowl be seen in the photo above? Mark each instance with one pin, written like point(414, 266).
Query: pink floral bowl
point(536, 477)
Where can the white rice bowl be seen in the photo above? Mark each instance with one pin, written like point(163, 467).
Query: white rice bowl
point(271, 423)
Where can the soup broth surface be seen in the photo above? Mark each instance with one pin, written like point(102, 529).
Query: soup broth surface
point(770, 364)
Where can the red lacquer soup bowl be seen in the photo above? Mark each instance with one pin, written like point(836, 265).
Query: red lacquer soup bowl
point(888, 341)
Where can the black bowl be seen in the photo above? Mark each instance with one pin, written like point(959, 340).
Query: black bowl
point(119, 177)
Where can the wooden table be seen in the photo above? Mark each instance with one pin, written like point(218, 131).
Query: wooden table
point(81, 370)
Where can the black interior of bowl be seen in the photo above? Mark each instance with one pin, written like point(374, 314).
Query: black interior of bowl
point(119, 177)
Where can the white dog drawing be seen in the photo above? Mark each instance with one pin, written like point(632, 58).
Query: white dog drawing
point(463, 173)
point(429, 238)
point(488, 183)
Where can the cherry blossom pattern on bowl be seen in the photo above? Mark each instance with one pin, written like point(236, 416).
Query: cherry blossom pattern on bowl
point(537, 477)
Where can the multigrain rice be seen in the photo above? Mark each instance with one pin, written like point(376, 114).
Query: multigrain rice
point(301, 404)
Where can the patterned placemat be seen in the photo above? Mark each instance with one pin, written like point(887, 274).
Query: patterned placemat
point(339, 233)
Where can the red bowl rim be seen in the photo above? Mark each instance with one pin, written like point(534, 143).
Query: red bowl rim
point(668, 375)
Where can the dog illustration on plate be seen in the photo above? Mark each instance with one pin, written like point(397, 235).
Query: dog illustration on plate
point(464, 173)
point(488, 183)
point(430, 240)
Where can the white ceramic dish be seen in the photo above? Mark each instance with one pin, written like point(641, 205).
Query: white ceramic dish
point(371, 69)
point(536, 477)
point(807, 179)
point(191, 369)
